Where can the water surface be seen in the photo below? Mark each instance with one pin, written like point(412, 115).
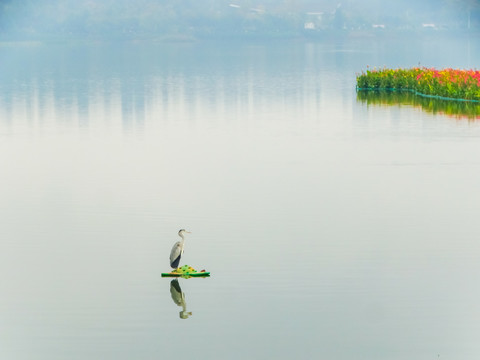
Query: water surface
point(333, 228)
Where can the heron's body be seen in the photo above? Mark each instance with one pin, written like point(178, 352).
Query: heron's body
point(177, 250)
point(176, 254)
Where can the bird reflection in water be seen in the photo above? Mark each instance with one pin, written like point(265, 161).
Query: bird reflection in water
point(178, 298)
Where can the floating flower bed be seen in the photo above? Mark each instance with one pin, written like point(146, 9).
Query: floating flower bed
point(447, 83)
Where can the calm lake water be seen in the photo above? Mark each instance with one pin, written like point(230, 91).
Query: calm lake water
point(333, 228)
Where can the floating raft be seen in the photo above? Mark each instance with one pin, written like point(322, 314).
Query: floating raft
point(186, 271)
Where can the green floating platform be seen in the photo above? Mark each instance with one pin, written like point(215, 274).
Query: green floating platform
point(198, 274)
point(186, 271)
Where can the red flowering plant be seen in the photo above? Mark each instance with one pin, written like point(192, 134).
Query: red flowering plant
point(446, 83)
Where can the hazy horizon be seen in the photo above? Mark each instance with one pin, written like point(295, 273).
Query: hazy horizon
point(108, 19)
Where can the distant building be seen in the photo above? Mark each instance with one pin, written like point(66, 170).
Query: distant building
point(316, 20)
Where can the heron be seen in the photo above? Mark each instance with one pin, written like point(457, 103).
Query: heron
point(177, 250)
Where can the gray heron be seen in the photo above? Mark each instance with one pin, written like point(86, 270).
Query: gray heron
point(177, 250)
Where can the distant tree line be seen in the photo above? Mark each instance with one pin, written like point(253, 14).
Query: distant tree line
point(228, 18)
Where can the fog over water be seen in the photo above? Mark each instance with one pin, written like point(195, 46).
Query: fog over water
point(192, 19)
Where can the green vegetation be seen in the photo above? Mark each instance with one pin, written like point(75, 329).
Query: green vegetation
point(445, 83)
